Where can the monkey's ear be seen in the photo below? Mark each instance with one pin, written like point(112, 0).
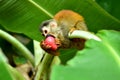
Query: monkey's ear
point(53, 24)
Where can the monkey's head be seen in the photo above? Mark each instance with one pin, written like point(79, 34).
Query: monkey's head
point(50, 27)
point(51, 32)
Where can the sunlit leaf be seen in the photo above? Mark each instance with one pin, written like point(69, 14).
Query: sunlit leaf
point(98, 61)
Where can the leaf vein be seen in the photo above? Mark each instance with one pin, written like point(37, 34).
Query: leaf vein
point(114, 53)
point(38, 6)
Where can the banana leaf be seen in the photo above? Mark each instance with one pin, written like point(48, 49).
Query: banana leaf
point(100, 60)
point(25, 16)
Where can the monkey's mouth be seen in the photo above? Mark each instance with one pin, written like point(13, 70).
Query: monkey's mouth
point(50, 43)
point(49, 35)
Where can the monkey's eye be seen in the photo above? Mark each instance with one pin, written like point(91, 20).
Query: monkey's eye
point(45, 31)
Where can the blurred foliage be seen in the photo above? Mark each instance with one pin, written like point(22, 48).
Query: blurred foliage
point(99, 60)
point(111, 6)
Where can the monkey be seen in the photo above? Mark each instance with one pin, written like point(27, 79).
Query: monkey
point(57, 30)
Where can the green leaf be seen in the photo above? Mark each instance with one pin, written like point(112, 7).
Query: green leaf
point(25, 16)
point(66, 55)
point(7, 72)
point(3, 68)
point(112, 6)
point(98, 61)
point(21, 16)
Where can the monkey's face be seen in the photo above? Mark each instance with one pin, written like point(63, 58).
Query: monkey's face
point(50, 31)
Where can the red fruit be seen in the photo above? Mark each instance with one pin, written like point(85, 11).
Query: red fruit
point(50, 41)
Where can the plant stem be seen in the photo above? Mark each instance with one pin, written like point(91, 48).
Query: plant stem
point(44, 65)
point(83, 34)
point(38, 52)
point(24, 51)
